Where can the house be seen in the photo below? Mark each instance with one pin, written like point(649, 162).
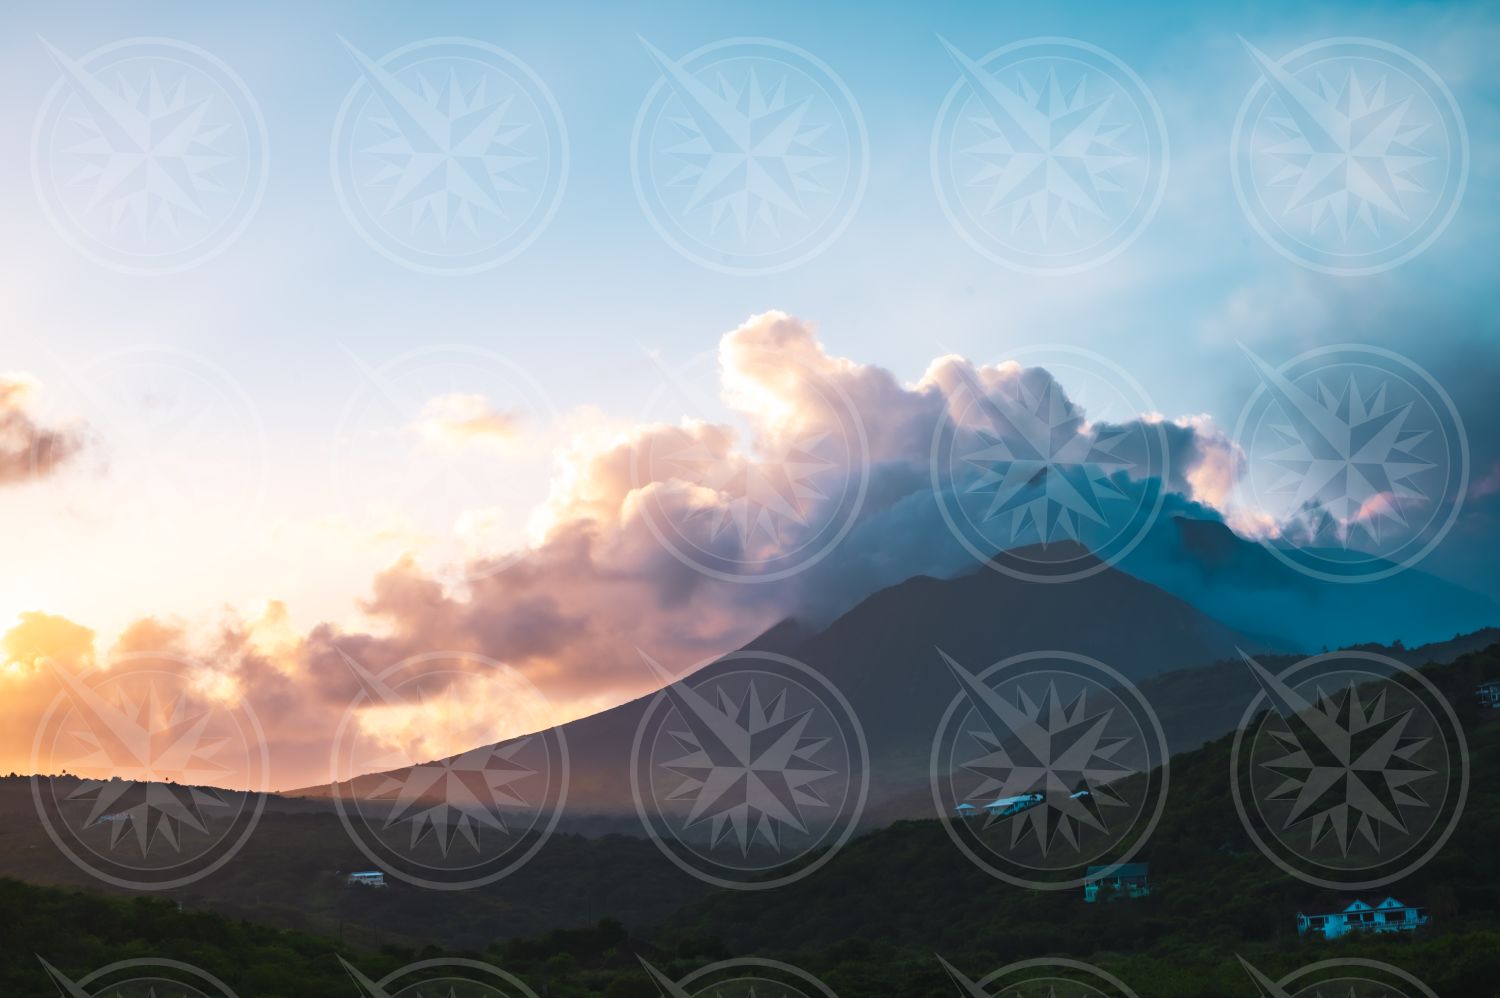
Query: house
point(1389, 915)
point(368, 878)
point(1004, 807)
point(965, 811)
point(1489, 694)
point(1124, 880)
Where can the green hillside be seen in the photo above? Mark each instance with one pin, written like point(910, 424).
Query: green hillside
point(902, 894)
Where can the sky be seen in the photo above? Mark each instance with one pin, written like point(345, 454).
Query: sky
point(309, 435)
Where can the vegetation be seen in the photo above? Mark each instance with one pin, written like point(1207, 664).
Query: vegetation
point(873, 920)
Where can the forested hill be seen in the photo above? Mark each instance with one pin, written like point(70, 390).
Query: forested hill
point(904, 893)
point(871, 922)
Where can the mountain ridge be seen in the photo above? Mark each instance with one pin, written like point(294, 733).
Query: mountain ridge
point(881, 655)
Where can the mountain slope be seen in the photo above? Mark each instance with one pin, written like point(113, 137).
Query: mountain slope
point(907, 888)
point(882, 656)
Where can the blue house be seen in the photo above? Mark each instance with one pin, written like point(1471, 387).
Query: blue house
point(1489, 694)
point(1004, 807)
point(1389, 915)
point(367, 878)
point(1127, 880)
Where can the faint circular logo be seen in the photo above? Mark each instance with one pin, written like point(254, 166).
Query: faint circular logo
point(143, 780)
point(1051, 768)
point(449, 155)
point(185, 443)
point(761, 512)
point(745, 977)
point(141, 978)
point(1349, 156)
point(1043, 486)
point(445, 444)
point(1049, 155)
point(749, 155)
point(149, 155)
point(1348, 978)
point(1359, 454)
point(1349, 770)
point(1042, 978)
point(451, 977)
point(747, 768)
point(432, 781)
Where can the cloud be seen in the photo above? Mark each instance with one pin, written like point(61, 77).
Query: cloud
point(804, 467)
point(28, 449)
point(637, 513)
point(460, 418)
point(1486, 485)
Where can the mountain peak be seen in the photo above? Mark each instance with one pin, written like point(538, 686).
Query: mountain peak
point(1210, 542)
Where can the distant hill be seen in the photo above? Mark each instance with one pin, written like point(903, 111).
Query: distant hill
point(905, 891)
point(871, 923)
point(1204, 702)
point(882, 656)
point(1200, 704)
point(1241, 583)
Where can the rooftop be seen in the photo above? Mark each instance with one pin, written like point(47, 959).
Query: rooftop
point(1119, 870)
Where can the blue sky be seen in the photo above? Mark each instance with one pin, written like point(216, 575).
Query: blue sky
point(283, 308)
